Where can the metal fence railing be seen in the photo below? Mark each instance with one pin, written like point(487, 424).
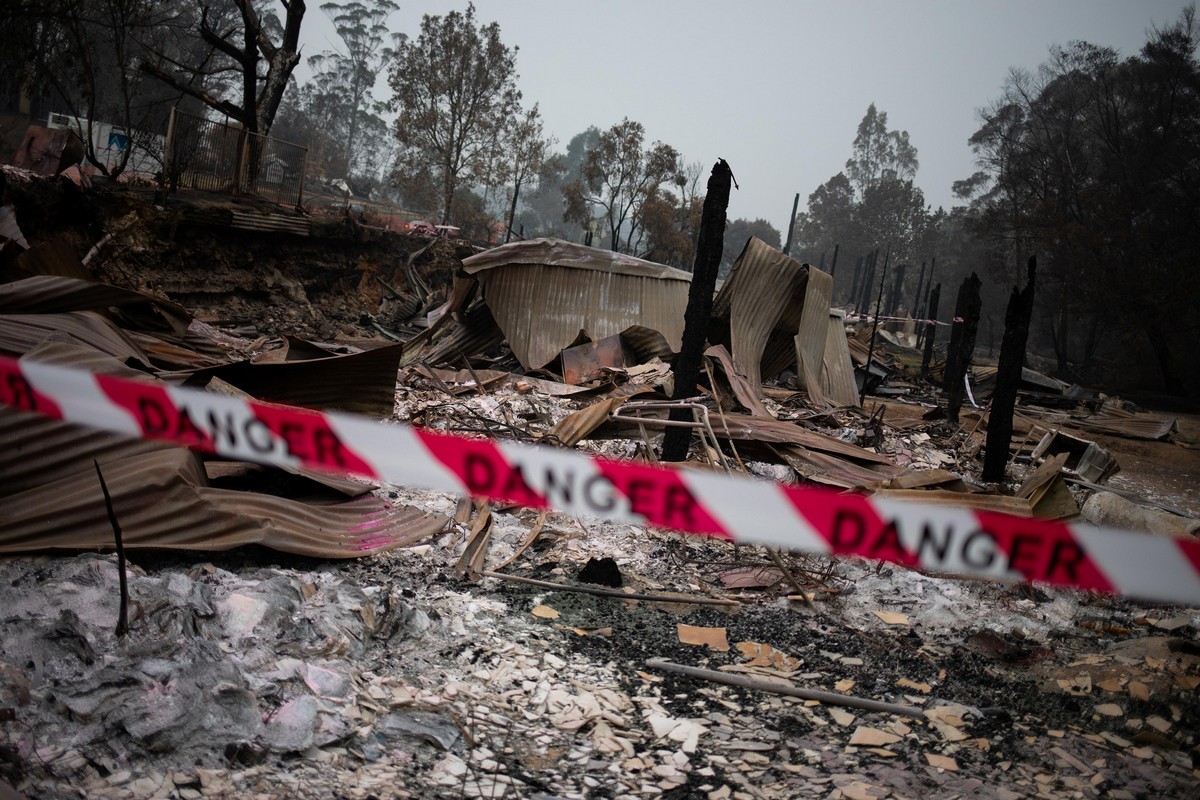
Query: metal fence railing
point(218, 157)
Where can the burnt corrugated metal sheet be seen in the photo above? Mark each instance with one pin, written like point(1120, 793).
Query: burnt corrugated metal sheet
point(837, 370)
point(161, 502)
point(542, 293)
point(832, 470)
point(363, 383)
point(43, 294)
point(37, 450)
point(766, 429)
point(758, 309)
point(476, 333)
point(20, 333)
point(557, 253)
point(813, 334)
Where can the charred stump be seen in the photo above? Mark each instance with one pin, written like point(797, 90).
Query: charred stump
point(1008, 377)
point(709, 246)
point(962, 343)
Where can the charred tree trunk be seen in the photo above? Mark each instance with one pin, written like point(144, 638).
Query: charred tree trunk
point(709, 246)
point(864, 301)
point(931, 313)
point(858, 262)
point(1166, 362)
point(962, 343)
point(893, 303)
point(1008, 377)
point(833, 264)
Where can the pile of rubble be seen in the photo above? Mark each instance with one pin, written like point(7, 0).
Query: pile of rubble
point(343, 639)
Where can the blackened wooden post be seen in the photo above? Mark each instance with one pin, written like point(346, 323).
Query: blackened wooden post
point(709, 246)
point(931, 313)
point(1008, 377)
point(871, 347)
point(962, 343)
point(787, 248)
point(833, 264)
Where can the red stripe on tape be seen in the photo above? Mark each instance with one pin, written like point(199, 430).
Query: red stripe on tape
point(1043, 550)
point(661, 498)
point(851, 525)
point(16, 392)
point(309, 437)
point(155, 412)
point(482, 468)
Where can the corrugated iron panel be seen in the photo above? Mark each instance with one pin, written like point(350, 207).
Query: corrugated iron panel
point(43, 294)
point(555, 252)
point(270, 222)
point(363, 383)
point(37, 450)
point(161, 502)
point(766, 429)
point(20, 333)
point(837, 370)
point(760, 305)
point(477, 333)
point(542, 308)
point(834, 471)
point(813, 333)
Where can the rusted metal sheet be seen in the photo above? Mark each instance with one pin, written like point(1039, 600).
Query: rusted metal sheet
point(363, 383)
point(837, 370)
point(20, 333)
point(46, 294)
point(833, 470)
point(162, 502)
point(544, 292)
point(582, 363)
point(813, 334)
point(52, 257)
point(746, 394)
point(1131, 426)
point(758, 310)
point(765, 429)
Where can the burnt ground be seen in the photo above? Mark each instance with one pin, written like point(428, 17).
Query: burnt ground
point(423, 685)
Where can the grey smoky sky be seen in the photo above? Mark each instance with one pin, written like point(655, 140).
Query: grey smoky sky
point(777, 88)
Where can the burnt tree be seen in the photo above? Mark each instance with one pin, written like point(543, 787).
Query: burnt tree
point(962, 343)
point(259, 105)
point(709, 246)
point(1008, 377)
point(931, 313)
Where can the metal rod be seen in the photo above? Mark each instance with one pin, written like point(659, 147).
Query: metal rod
point(653, 598)
point(790, 691)
point(123, 611)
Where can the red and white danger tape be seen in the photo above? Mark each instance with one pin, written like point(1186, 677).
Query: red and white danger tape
point(813, 520)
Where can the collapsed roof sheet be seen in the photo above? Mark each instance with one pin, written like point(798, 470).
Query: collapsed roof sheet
point(161, 502)
point(363, 383)
point(544, 292)
point(20, 333)
point(761, 304)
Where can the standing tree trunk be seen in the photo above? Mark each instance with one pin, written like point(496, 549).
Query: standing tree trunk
point(931, 313)
point(709, 246)
point(962, 343)
point(1008, 377)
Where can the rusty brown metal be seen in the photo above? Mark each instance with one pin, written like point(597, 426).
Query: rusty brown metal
point(582, 363)
point(543, 292)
